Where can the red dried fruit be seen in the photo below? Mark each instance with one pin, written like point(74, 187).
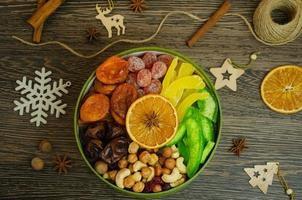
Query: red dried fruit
point(113, 70)
point(167, 59)
point(140, 92)
point(122, 98)
point(148, 187)
point(144, 77)
point(153, 88)
point(149, 59)
point(158, 70)
point(157, 180)
point(135, 64)
point(132, 80)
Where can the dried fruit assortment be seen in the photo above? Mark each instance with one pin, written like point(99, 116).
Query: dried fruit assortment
point(148, 122)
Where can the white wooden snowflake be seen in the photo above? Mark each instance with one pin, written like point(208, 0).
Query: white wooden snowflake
point(41, 96)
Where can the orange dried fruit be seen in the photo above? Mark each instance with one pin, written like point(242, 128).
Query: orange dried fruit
point(102, 88)
point(113, 70)
point(94, 108)
point(281, 89)
point(121, 99)
point(151, 121)
point(117, 118)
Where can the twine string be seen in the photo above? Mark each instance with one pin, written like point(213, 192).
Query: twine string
point(265, 29)
point(284, 184)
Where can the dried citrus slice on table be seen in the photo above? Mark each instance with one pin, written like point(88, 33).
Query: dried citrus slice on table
point(281, 89)
point(151, 121)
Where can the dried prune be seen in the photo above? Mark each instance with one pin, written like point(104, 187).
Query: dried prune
point(115, 150)
point(93, 149)
point(96, 131)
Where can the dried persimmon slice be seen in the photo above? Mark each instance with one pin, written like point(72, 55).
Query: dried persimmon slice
point(122, 98)
point(113, 70)
point(94, 108)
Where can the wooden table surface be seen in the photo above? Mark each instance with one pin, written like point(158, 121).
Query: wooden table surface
point(270, 136)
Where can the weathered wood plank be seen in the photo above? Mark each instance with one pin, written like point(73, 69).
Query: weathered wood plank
point(270, 136)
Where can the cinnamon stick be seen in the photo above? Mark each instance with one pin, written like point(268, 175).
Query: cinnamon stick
point(38, 32)
point(39, 17)
point(217, 15)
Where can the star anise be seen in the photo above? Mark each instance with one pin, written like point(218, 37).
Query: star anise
point(62, 164)
point(238, 146)
point(138, 5)
point(92, 34)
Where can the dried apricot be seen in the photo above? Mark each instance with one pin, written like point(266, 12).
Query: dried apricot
point(117, 118)
point(113, 70)
point(102, 88)
point(95, 108)
point(122, 98)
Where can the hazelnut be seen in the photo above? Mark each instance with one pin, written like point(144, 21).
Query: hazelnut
point(153, 159)
point(170, 163)
point(166, 171)
point(112, 174)
point(101, 167)
point(138, 187)
point(155, 150)
point(129, 182)
point(146, 172)
point(130, 167)
point(157, 170)
point(133, 147)
point(161, 161)
point(167, 152)
point(144, 157)
point(37, 163)
point(122, 163)
point(157, 188)
point(132, 158)
point(45, 146)
point(106, 175)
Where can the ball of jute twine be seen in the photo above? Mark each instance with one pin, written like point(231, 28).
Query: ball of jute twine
point(272, 32)
point(264, 29)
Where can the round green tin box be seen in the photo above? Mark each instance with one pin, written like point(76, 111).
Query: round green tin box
point(140, 51)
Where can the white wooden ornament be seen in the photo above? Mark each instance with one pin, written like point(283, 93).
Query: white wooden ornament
point(227, 67)
point(262, 175)
point(115, 21)
point(41, 96)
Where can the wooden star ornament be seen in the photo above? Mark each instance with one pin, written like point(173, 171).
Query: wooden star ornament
point(226, 68)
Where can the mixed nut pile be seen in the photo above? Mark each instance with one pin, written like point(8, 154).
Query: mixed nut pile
point(146, 170)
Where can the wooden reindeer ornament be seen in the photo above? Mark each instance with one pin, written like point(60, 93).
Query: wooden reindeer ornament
point(116, 21)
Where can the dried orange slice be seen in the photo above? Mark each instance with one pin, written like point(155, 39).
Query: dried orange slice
point(281, 89)
point(151, 121)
